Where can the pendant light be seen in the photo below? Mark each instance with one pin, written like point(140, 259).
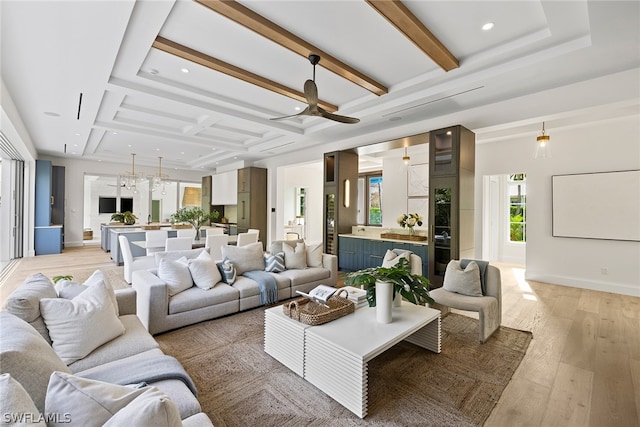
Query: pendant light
point(406, 157)
point(159, 180)
point(542, 145)
point(130, 179)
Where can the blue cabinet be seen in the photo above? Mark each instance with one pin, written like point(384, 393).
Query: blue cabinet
point(357, 253)
point(49, 208)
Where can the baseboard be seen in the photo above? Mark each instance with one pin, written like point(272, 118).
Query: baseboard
point(594, 285)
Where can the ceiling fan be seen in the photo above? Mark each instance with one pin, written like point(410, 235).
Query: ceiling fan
point(311, 94)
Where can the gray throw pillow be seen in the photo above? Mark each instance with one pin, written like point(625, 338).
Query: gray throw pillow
point(245, 258)
point(465, 282)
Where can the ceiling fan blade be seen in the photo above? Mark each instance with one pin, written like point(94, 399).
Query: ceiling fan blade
point(311, 93)
point(337, 117)
point(304, 112)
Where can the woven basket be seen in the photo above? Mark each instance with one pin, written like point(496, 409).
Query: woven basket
point(311, 313)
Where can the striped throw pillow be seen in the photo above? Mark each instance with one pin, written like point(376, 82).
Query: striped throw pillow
point(274, 263)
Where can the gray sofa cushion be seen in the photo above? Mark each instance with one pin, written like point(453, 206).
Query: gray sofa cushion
point(300, 277)
point(135, 340)
point(195, 297)
point(24, 302)
point(177, 390)
point(27, 356)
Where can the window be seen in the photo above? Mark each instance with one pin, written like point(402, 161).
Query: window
point(517, 191)
point(370, 199)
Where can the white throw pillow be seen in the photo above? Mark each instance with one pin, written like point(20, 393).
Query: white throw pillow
point(465, 282)
point(295, 258)
point(15, 402)
point(92, 402)
point(245, 258)
point(314, 255)
point(79, 326)
point(204, 271)
point(391, 258)
point(175, 274)
point(69, 289)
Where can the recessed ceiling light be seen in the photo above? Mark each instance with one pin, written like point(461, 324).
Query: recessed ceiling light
point(77, 134)
point(213, 149)
point(487, 26)
point(51, 113)
point(235, 157)
point(184, 70)
point(73, 153)
point(99, 160)
point(297, 108)
point(75, 145)
point(115, 133)
point(182, 152)
point(153, 71)
point(128, 145)
point(157, 149)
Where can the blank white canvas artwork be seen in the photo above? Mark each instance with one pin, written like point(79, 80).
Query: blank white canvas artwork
point(597, 205)
point(418, 180)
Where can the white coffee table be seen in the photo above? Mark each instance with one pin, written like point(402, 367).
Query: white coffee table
point(334, 356)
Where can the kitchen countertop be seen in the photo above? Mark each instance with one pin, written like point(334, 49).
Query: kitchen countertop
point(371, 236)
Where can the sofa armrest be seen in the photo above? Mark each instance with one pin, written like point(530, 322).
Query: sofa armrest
point(126, 301)
point(330, 262)
point(152, 299)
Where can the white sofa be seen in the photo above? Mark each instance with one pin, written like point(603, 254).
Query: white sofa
point(160, 311)
point(28, 356)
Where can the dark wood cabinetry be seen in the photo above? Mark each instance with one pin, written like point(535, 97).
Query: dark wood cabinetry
point(252, 200)
point(451, 185)
point(340, 196)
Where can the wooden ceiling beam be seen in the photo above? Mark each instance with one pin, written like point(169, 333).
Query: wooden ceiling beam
point(408, 24)
point(270, 30)
point(192, 55)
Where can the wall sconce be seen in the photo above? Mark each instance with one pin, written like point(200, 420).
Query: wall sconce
point(542, 145)
point(347, 192)
point(406, 157)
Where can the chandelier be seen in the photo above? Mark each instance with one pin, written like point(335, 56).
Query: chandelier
point(130, 179)
point(159, 180)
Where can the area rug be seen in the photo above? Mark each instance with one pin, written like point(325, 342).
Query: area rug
point(240, 385)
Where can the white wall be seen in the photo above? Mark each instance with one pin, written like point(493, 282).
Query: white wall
point(308, 176)
point(74, 192)
point(593, 147)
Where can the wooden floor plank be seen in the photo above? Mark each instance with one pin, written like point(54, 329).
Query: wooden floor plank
point(569, 402)
point(522, 408)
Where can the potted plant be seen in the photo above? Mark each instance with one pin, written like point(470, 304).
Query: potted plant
point(195, 216)
point(412, 287)
point(124, 217)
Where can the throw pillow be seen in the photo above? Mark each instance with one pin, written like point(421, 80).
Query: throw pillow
point(295, 258)
point(204, 271)
point(465, 282)
point(79, 326)
point(227, 271)
point(276, 245)
point(314, 255)
point(274, 263)
point(392, 258)
point(245, 258)
point(24, 302)
point(16, 404)
point(27, 356)
point(175, 274)
point(95, 402)
point(69, 290)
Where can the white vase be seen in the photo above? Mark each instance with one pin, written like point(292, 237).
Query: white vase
point(384, 301)
point(397, 301)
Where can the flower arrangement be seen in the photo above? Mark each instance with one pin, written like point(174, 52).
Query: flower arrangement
point(410, 220)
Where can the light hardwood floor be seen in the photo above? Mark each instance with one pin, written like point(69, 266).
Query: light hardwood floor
point(582, 367)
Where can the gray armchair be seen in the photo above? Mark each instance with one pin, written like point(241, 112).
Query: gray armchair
point(488, 306)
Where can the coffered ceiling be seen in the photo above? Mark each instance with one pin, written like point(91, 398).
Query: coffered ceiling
point(198, 82)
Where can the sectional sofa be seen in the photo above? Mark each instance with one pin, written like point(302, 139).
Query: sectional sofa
point(188, 287)
point(50, 370)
